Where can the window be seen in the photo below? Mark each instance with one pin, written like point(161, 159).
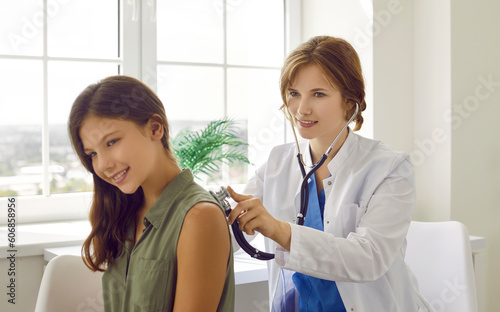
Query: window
point(205, 59)
point(47, 58)
point(213, 62)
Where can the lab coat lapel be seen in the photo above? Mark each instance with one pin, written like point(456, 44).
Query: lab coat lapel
point(334, 166)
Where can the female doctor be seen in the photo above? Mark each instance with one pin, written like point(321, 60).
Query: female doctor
point(349, 254)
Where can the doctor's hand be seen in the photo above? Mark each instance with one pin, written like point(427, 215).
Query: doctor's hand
point(252, 216)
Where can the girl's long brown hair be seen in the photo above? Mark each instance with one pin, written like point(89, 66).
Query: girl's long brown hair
point(340, 64)
point(112, 212)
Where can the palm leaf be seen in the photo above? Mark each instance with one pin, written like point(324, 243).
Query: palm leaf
point(205, 150)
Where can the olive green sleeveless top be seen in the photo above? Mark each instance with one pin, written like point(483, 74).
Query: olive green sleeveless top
point(144, 276)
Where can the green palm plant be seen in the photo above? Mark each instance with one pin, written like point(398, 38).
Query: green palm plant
point(205, 150)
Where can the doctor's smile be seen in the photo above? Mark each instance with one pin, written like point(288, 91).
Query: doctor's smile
point(305, 124)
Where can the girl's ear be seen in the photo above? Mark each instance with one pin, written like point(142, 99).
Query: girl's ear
point(156, 127)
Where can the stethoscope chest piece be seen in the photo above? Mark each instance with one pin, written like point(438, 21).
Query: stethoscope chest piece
point(221, 198)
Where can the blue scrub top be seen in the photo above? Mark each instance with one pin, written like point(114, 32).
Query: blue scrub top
point(316, 294)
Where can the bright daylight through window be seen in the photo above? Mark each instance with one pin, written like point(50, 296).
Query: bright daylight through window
point(207, 60)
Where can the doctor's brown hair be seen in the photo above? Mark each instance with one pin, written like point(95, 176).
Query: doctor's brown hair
point(339, 62)
point(111, 212)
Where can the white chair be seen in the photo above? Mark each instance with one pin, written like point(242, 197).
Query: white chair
point(439, 254)
point(68, 285)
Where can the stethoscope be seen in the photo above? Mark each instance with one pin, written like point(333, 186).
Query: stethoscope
point(304, 189)
point(222, 195)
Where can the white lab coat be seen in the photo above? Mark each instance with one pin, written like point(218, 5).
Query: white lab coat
point(369, 200)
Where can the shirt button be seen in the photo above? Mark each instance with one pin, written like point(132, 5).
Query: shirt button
point(329, 182)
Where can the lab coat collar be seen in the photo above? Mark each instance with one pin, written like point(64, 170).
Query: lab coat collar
point(344, 152)
point(339, 159)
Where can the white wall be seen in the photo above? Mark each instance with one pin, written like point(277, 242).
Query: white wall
point(456, 54)
point(29, 272)
point(431, 153)
point(475, 170)
point(430, 63)
point(393, 54)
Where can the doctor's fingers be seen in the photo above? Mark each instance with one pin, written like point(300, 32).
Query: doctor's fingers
point(237, 197)
point(248, 227)
point(244, 207)
point(249, 222)
point(256, 221)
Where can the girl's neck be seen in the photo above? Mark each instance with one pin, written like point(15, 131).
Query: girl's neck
point(156, 184)
point(167, 170)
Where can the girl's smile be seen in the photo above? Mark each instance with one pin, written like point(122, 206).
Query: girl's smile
point(119, 177)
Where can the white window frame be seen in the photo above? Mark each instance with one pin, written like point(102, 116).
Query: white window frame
point(135, 52)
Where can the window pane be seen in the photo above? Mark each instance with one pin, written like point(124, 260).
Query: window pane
point(255, 32)
point(86, 29)
point(190, 31)
point(21, 27)
point(21, 112)
point(254, 100)
point(191, 93)
point(66, 81)
point(193, 96)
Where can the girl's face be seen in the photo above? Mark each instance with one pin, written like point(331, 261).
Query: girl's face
point(315, 105)
point(120, 151)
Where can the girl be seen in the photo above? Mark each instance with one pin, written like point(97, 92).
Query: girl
point(153, 227)
point(349, 255)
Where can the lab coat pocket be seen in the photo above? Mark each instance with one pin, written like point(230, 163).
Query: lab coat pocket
point(150, 285)
point(350, 214)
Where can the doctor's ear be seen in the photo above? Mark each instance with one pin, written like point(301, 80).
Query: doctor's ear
point(350, 104)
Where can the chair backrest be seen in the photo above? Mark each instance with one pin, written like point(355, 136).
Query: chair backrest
point(440, 257)
point(68, 285)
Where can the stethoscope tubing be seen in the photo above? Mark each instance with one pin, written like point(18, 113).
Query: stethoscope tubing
point(245, 245)
point(304, 188)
